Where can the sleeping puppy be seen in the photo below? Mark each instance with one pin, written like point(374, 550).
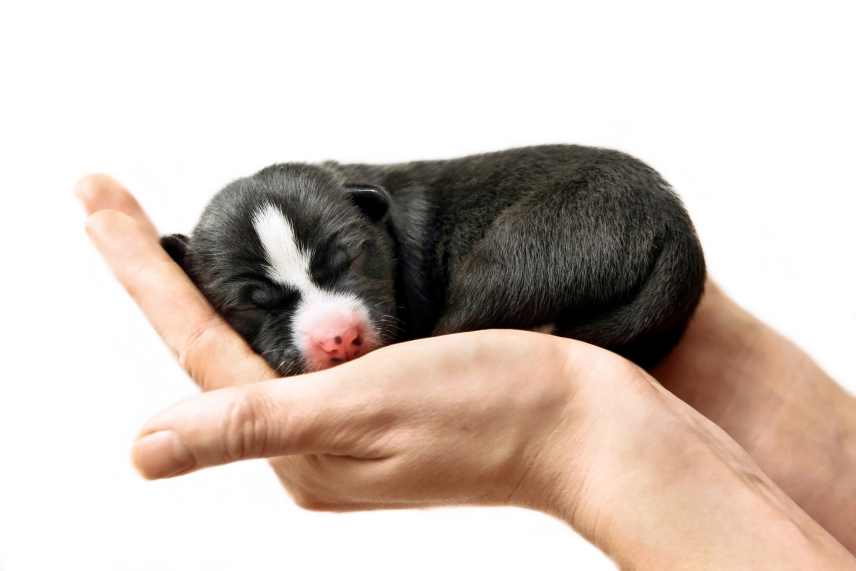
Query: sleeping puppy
point(315, 265)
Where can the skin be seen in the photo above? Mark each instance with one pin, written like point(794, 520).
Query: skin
point(776, 402)
point(509, 417)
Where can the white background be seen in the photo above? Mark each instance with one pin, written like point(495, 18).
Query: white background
point(747, 108)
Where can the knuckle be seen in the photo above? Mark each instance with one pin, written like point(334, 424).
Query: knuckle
point(246, 426)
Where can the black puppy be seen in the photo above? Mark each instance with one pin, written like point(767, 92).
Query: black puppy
point(317, 264)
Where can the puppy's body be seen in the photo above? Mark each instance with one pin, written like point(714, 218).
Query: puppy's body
point(587, 243)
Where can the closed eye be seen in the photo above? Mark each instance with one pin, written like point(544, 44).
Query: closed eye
point(245, 311)
point(328, 267)
point(257, 293)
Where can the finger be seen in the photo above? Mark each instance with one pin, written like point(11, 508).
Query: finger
point(102, 192)
point(207, 348)
point(320, 413)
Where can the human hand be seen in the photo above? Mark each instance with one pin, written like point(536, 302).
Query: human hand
point(492, 367)
point(493, 417)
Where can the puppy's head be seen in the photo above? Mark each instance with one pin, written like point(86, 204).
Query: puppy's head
point(299, 263)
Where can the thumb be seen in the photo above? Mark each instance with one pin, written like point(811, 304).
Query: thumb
point(311, 414)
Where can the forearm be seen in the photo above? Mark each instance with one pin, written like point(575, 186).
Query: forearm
point(665, 488)
point(777, 403)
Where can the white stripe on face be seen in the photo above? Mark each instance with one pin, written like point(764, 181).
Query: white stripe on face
point(288, 263)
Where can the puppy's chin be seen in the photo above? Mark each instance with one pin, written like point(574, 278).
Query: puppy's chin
point(315, 365)
point(286, 367)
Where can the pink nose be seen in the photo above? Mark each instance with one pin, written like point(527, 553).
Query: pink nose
point(336, 342)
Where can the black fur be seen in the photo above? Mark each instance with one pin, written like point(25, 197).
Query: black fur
point(588, 239)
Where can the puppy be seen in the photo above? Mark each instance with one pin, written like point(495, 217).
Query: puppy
point(315, 265)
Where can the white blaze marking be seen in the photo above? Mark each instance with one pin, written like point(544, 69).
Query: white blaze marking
point(289, 264)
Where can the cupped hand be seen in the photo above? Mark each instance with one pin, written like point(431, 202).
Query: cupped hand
point(460, 419)
point(453, 419)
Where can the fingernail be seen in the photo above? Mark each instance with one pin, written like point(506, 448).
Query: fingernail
point(106, 225)
point(162, 454)
point(95, 224)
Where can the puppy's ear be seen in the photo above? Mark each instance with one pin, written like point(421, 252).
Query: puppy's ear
point(176, 246)
point(372, 200)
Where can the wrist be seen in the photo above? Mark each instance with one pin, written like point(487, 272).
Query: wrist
point(607, 410)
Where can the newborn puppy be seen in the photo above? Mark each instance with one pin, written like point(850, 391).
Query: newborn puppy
point(315, 265)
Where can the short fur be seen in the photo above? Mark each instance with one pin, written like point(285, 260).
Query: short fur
point(590, 241)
